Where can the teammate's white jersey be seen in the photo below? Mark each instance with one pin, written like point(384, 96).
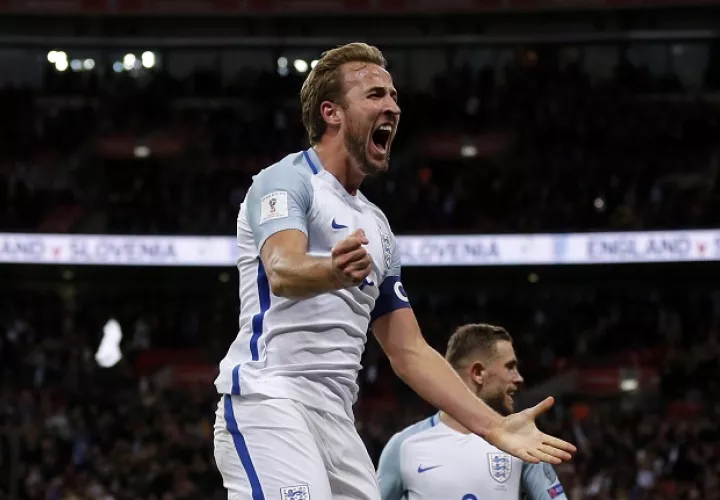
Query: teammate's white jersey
point(431, 461)
point(307, 350)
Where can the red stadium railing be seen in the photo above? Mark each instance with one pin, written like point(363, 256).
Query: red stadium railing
point(292, 7)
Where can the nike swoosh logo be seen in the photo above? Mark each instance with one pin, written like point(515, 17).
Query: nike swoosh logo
point(335, 225)
point(422, 469)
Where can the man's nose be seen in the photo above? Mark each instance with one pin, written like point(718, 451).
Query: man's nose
point(392, 107)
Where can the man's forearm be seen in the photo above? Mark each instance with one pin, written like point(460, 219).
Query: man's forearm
point(298, 276)
point(428, 374)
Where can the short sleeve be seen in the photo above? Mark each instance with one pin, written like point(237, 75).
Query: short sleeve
point(392, 294)
point(389, 471)
point(540, 482)
point(279, 199)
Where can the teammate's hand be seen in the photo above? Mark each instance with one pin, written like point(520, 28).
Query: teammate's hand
point(518, 435)
point(351, 263)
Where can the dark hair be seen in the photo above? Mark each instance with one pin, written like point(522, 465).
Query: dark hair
point(471, 338)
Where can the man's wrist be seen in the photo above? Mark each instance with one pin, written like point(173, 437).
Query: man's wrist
point(489, 422)
point(332, 275)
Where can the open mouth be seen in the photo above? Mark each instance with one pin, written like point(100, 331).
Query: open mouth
point(381, 137)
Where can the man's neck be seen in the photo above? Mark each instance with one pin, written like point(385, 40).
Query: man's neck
point(336, 160)
point(452, 423)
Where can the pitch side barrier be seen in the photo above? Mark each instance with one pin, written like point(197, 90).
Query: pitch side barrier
point(416, 251)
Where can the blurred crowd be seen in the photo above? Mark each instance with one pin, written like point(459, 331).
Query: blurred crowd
point(534, 146)
point(70, 429)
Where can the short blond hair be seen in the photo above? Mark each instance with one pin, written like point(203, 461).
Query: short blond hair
point(324, 83)
point(472, 339)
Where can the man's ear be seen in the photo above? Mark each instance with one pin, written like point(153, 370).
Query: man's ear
point(477, 372)
point(332, 113)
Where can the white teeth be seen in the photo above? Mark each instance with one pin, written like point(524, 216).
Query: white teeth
point(386, 127)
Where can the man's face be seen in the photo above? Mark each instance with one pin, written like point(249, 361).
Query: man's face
point(371, 115)
point(501, 379)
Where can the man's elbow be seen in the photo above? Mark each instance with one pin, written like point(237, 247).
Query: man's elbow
point(278, 286)
point(401, 364)
point(276, 283)
point(400, 370)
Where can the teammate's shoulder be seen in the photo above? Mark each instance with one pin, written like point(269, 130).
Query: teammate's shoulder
point(292, 166)
point(413, 430)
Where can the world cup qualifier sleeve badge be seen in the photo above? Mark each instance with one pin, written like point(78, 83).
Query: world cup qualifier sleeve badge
point(299, 492)
point(500, 465)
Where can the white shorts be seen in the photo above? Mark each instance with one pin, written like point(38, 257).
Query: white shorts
point(278, 449)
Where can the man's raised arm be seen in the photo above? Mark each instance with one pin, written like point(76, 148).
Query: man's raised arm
point(428, 374)
point(431, 376)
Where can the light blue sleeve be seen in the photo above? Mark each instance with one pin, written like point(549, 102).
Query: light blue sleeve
point(540, 482)
point(279, 198)
point(389, 471)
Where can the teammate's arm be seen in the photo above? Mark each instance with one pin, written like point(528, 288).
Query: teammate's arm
point(389, 471)
point(278, 204)
point(540, 482)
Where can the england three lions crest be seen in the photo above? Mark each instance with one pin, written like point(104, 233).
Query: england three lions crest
point(299, 492)
point(500, 466)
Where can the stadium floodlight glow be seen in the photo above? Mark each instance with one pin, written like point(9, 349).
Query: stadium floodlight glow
point(629, 384)
point(56, 55)
point(61, 64)
point(129, 61)
point(117, 67)
point(148, 59)
point(313, 63)
point(89, 64)
point(301, 66)
point(76, 65)
point(469, 151)
point(282, 62)
point(141, 151)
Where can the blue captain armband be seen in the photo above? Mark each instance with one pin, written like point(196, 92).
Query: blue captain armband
point(392, 297)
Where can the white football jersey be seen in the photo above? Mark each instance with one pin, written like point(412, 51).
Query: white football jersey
point(431, 461)
point(307, 350)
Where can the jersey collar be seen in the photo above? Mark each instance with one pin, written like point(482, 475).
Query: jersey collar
point(313, 160)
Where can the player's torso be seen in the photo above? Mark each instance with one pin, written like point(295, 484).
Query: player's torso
point(319, 340)
point(334, 216)
point(441, 464)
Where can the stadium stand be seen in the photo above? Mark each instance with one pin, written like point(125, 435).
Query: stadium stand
point(592, 155)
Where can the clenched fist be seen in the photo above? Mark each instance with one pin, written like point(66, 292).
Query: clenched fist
point(351, 263)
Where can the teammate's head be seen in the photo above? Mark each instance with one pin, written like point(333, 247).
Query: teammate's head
point(350, 96)
point(484, 357)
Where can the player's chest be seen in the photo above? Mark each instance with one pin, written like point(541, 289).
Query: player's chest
point(461, 470)
point(334, 218)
